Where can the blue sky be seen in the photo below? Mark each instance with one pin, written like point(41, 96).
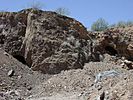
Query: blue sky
point(85, 11)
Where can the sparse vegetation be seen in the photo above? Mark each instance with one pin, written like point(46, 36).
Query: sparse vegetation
point(62, 11)
point(122, 24)
point(36, 5)
point(99, 25)
point(129, 23)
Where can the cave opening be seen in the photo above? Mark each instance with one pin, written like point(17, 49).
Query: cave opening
point(110, 50)
point(20, 58)
point(130, 59)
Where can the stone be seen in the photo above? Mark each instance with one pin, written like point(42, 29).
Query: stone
point(5, 53)
point(129, 64)
point(101, 96)
point(29, 88)
point(11, 73)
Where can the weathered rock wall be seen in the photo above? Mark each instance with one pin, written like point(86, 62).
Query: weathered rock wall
point(115, 41)
point(47, 41)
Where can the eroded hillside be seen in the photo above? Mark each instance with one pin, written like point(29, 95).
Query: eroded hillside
point(57, 58)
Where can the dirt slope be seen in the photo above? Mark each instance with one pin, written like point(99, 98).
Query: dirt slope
point(22, 78)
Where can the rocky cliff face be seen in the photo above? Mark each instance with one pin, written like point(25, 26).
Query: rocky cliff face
point(44, 40)
point(12, 31)
point(50, 42)
point(115, 41)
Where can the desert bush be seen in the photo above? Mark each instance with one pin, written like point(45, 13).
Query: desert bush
point(62, 11)
point(36, 5)
point(99, 25)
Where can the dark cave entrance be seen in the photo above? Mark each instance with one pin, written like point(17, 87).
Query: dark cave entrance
point(130, 59)
point(20, 58)
point(110, 50)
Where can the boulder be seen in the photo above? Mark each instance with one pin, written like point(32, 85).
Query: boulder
point(44, 40)
point(53, 42)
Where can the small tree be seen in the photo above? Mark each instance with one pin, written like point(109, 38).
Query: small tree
point(99, 25)
point(62, 11)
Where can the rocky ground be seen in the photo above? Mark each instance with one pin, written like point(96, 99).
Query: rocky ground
point(47, 56)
